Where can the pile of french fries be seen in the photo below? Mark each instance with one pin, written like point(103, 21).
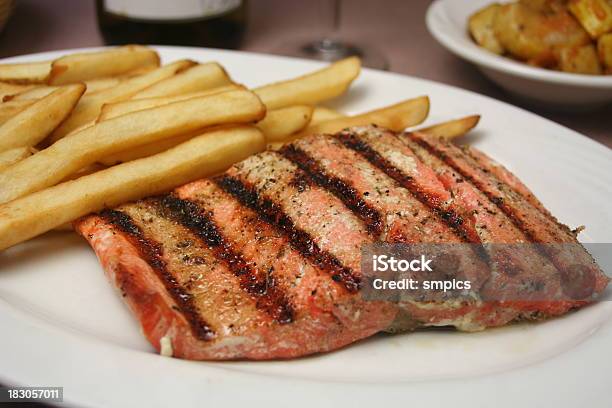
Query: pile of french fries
point(93, 130)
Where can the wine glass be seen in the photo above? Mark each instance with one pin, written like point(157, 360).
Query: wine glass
point(329, 47)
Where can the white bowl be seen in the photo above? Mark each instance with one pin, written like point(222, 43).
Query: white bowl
point(447, 22)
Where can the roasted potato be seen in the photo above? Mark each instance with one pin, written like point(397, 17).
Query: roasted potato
point(580, 60)
point(481, 28)
point(594, 15)
point(604, 49)
point(533, 36)
point(545, 6)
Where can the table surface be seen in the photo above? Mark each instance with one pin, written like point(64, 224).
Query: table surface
point(394, 27)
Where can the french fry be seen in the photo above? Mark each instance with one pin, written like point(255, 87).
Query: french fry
point(7, 90)
point(37, 121)
point(453, 128)
point(277, 125)
point(11, 108)
point(108, 63)
point(89, 106)
point(200, 77)
point(199, 157)
point(25, 73)
point(112, 110)
point(95, 85)
point(58, 161)
point(310, 89)
point(321, 114)
point(12, 156)
point(395, 117)
point(281, 123)
point(67, 227)
point(146, 150)
point(92, 168)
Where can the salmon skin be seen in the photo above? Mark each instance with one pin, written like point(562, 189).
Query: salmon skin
point(264, 261)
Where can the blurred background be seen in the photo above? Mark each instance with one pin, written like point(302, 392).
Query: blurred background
point(391, 33)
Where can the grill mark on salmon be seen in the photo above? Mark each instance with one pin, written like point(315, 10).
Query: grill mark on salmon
point(151, 252)
point(268, 296)
point(312, 209)
point(299, 239)
point(370, 216)
point(491, 166)
point(452, 219)
point(404, 218)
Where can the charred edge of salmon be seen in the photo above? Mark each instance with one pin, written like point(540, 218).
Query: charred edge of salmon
point(300, 240)
point(269, 297)
point(452, 219)
point(347, 194)
point(152, 253)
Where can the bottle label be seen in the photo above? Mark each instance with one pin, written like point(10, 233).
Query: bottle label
point(163, 10)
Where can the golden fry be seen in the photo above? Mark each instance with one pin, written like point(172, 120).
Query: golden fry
point(89, 106)
point(12, 156)
point(30, 126)
point(112, 110)
point(65, 157)
point(7, 91)
point(95, 85)
point(321, 114)
point(199, 157)
point(277, 125)
point(145, 150)
point(395, 117)
point(200, 77)
point(310, 89)
point(453, 128)
point(11, 108)
point(281, 123)
point(108, 63)
point(25, 73)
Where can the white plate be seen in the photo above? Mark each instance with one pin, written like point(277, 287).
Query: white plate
point(447, 22)
point(62, 323)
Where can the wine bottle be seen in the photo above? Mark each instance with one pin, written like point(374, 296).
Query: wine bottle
point(208, 23)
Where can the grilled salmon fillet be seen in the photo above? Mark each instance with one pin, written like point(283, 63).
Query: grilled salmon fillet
point(264, 261)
